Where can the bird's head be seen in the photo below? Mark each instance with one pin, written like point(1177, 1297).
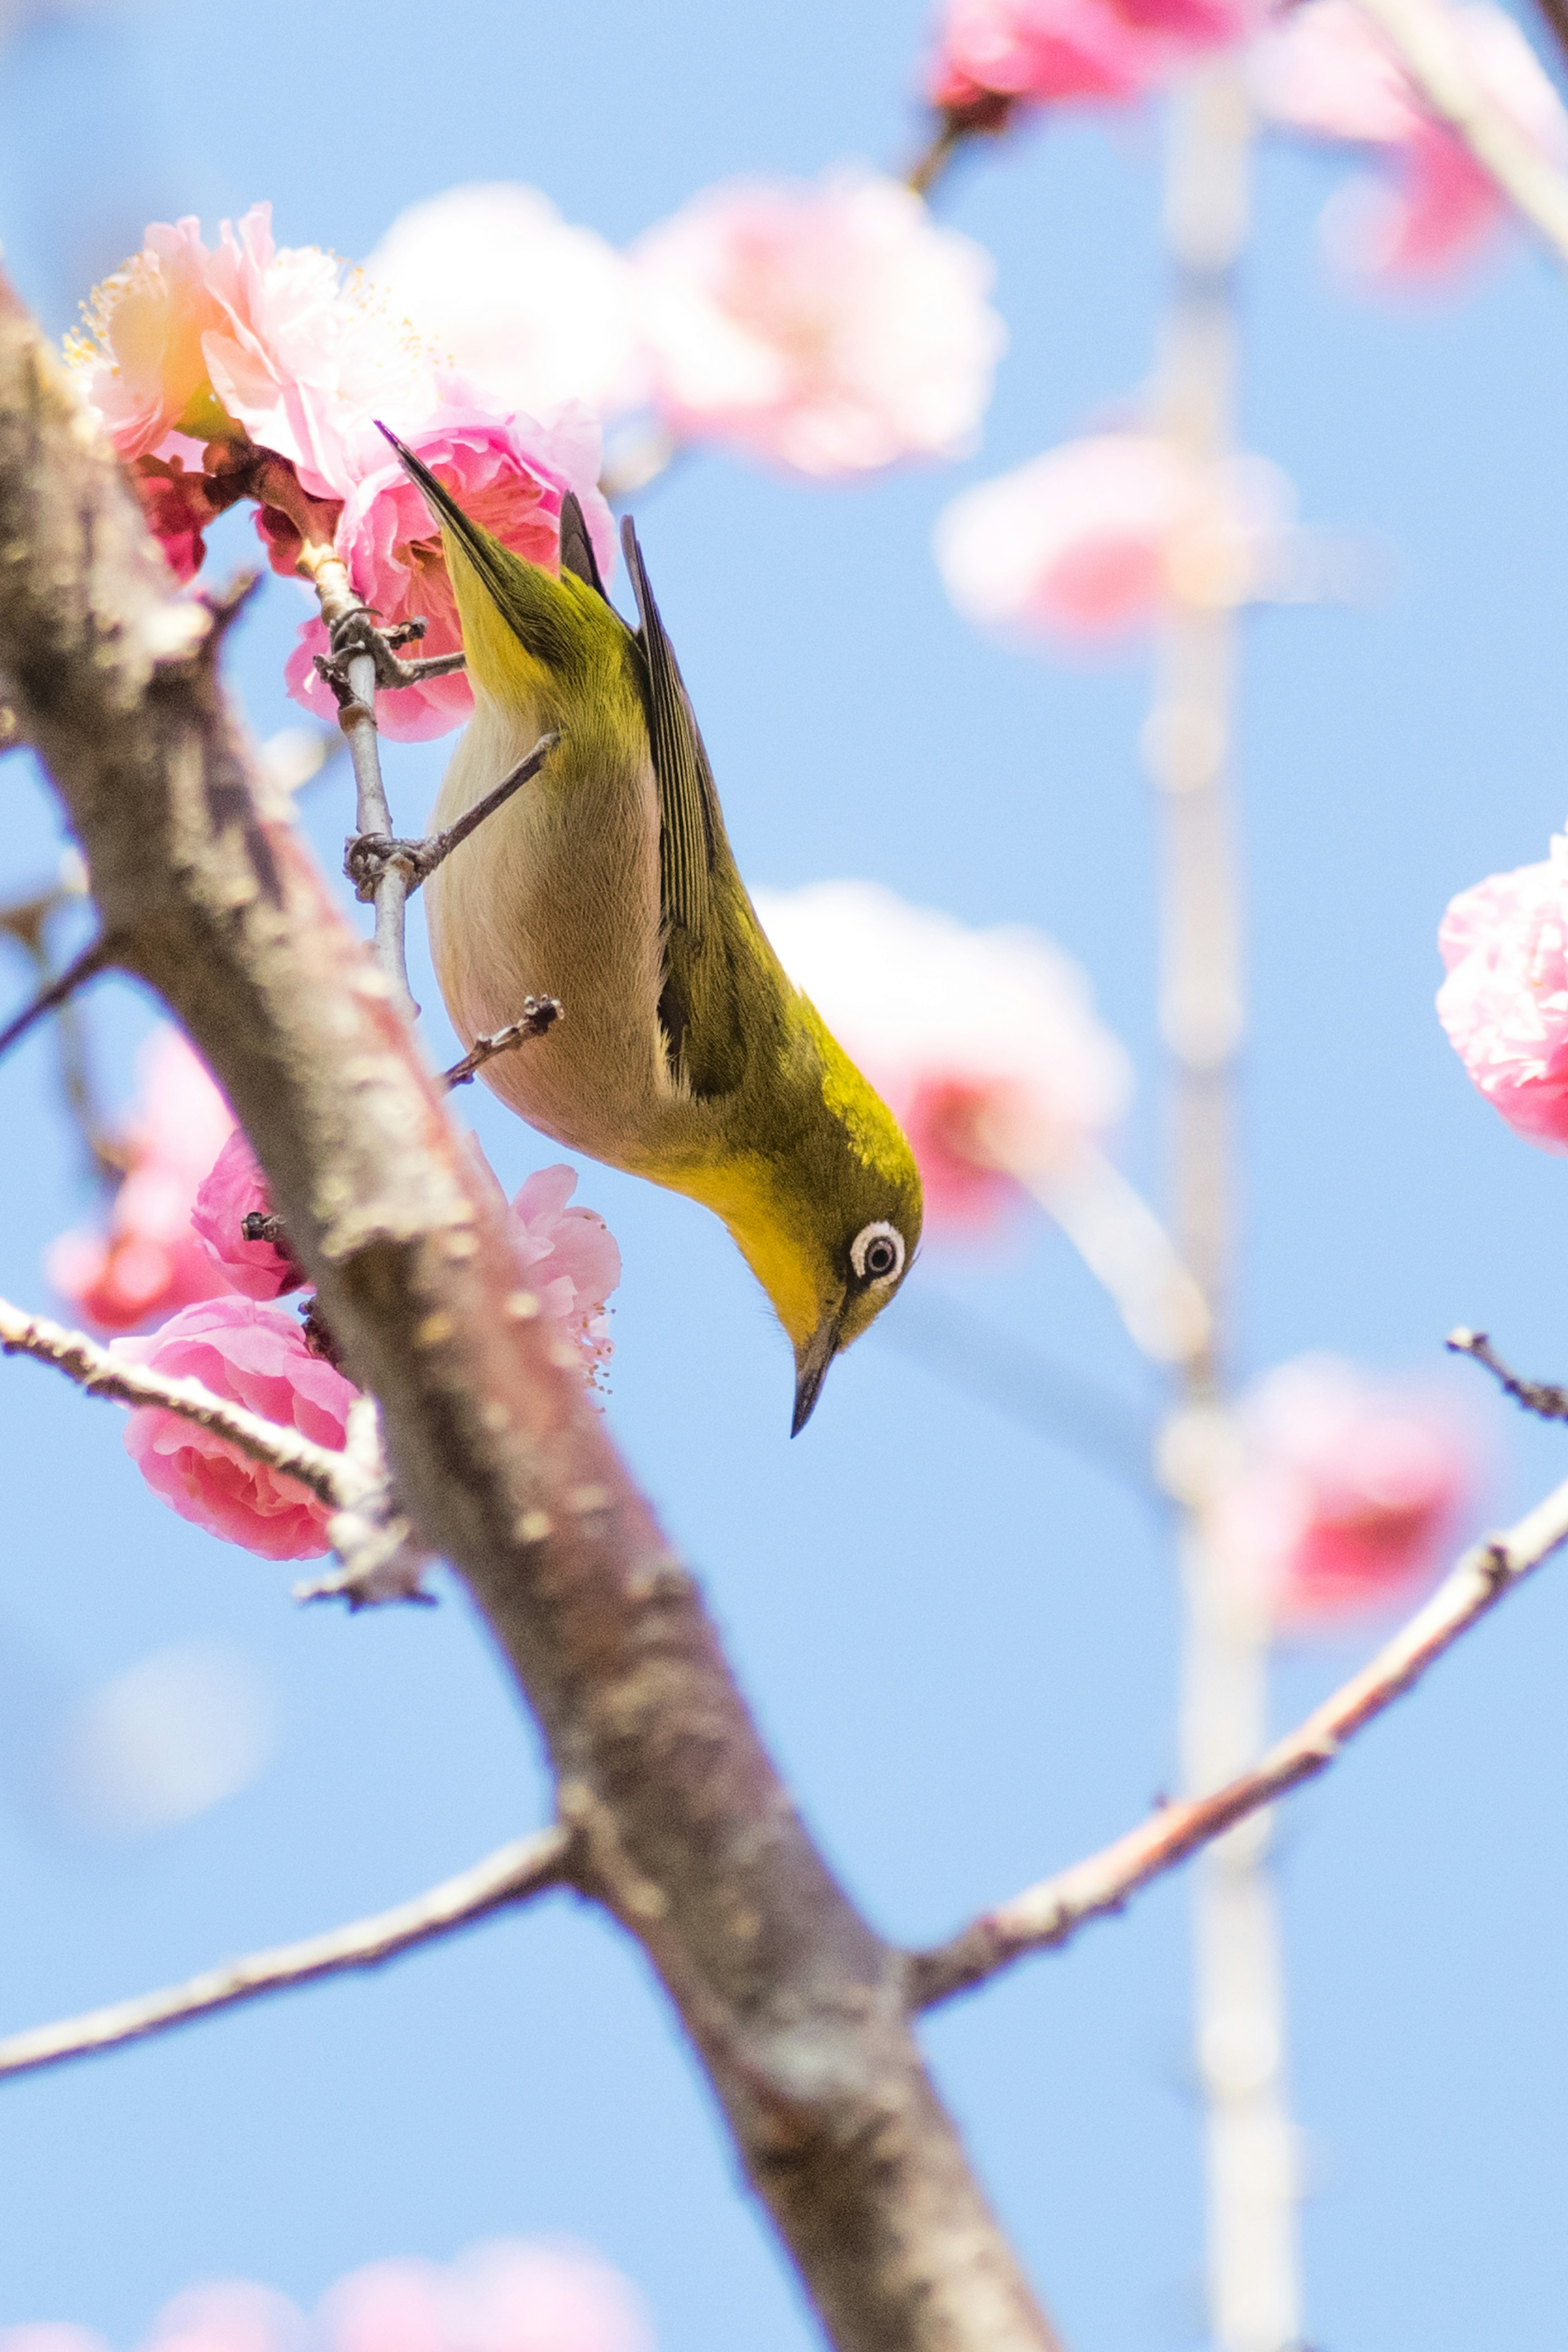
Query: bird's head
point(829, 1219)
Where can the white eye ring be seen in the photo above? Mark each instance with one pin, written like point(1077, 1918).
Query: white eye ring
point(869, 1260)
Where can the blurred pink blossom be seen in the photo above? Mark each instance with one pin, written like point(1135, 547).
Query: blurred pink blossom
point(233, 1189)
point(984, 1044)
point(508, 2296)
point(149, 1261)
point(510, 475)
point(1322, 69)
point(532, 309)
point(830, 327)
point(1350, 1493)
point(1505, 1002)
point(255, 1355)
point(1043, 52)
point(572, 1260)
point(1092, 539)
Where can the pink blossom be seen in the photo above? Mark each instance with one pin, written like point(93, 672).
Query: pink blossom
point(572, 1260)
point(1044, 52)
point(985, 1045)
point(254, 1355)
point(233, 1190)
point(510, 475)
point(530, 308)
point(829, 328)
point(1323, 70)
point(149, 1261)
point(1092, 538)
point(1505, 1002)
point(1349, 1492)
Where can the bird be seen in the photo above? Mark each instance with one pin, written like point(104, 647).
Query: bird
point(686, 1055)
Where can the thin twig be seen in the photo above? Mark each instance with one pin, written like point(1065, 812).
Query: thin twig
point(527, 1867)
point(368, 855)
point(539, 1013)
point(76, 973)
point(1426, 38)
point(1045, 1916)
point(331, 1477)
point(1543, 1397)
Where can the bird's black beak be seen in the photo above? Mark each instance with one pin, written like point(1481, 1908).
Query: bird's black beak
point(811, 1370)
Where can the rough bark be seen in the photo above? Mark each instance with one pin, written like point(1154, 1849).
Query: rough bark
point(796, 2007)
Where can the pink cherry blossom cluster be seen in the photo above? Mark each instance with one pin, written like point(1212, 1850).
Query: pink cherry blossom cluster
point(508, 2297)
point(830, 329)
point(1505, 1002)
point(984, 1044)
point(1348, 1495)
point(1318, 70)
point(177, 1248)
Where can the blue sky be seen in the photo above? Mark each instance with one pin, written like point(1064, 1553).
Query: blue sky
point(960, 1635)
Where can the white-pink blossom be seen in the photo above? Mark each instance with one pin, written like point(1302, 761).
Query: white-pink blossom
point(985, 1045)
point(1322, 69)
point(1094, 537)
point(1348, 1492)
point(1505, 1002)
point(531, 309)
point(830, 327)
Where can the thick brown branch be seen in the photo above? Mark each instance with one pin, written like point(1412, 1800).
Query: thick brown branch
point(1045, 1916)
point(795, 2007)
point(527, 1866)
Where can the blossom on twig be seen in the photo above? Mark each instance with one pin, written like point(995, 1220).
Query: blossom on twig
point(531, 309)
point(1050, 52)
point(255, 1355)
point(510, 474)
point(573, 1262)
point(234, 1189)
point(1093, 537)
point(1505, 1002)
point(149, 1261)
point(829, 328)
point(1323, 70)
point(1347, 1492)
point(985, 1044)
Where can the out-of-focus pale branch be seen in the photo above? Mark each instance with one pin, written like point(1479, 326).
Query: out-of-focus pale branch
point(527, 1867)
point(1425, 38)
point(1045, 1916)
point(335, 1478)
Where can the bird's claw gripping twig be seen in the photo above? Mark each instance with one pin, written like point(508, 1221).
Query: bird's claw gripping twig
point(357, 633)
point(368, 855)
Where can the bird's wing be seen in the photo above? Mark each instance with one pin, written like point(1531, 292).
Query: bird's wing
point(701, 1006)
point(691, 828)
point(577, 548)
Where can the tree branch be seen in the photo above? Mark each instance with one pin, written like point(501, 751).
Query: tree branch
point(1048, 1915)
point(1542, 1397)
point(794, 2006)
point(76, 973)
point(539, 1013)
point(331, 1477)
point(527, 1866)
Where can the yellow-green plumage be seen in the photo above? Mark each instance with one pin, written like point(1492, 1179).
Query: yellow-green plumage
point(686, 1055)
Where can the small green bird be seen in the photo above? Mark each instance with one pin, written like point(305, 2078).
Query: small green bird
point(687, 1054)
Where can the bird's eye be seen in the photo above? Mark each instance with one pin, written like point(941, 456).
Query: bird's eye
point(877, 1253)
